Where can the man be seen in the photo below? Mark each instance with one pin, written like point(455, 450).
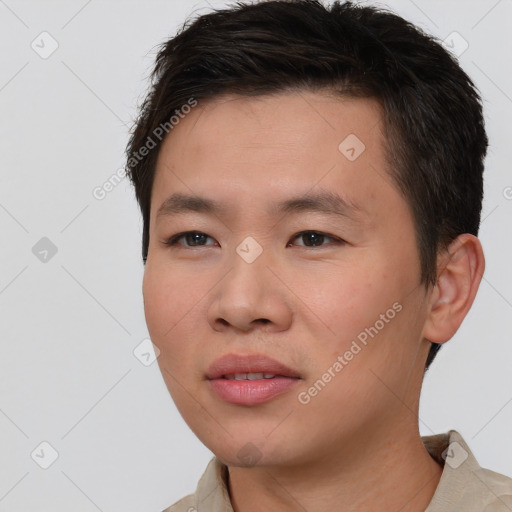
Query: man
point(310, 180)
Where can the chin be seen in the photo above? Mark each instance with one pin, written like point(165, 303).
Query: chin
point(245, 451)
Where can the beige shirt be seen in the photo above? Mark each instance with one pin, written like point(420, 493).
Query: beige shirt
point(464, 485)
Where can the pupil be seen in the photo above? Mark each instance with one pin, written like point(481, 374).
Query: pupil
point(314, 237)
point(195, 238)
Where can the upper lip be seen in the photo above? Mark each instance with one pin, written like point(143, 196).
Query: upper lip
point(231, 364)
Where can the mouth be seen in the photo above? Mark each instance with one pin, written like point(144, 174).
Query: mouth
point(248, 367)
point(250, 379)
point(250, 376)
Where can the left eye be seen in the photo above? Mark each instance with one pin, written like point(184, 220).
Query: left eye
point(193, 239)
point(314, 238)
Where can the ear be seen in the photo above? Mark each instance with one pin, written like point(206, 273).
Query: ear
point(460, 270)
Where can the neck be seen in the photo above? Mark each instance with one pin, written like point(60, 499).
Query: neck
point(383, 472)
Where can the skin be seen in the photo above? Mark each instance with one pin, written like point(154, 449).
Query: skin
point(356, 444)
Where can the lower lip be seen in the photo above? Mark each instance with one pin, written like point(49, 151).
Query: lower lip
point(251, 392)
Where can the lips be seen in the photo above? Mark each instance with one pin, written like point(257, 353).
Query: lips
point(250, 380)
point(232, 365)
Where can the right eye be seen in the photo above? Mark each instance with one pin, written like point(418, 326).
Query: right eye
point(192, 239)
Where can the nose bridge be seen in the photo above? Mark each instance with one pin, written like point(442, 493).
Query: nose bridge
point(249, 291)
point(246, 283)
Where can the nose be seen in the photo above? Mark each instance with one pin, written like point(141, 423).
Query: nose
point(250, 295)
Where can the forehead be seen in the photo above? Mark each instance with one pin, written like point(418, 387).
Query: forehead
point(280, 145)
point(298, 119)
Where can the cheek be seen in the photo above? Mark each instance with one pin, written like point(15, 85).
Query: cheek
point(169, 307)
point(348, 301)
point(169, 297)
point(157, 303)
point(370, 304)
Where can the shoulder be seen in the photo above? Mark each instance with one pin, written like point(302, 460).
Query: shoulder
point(498, 489)
point(186, 504)
point(211, 493)
point(464, 484)
point(492, 488)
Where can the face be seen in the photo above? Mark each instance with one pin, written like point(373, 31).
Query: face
point(301, 250)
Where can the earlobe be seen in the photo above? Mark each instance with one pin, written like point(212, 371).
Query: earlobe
point(460, 270)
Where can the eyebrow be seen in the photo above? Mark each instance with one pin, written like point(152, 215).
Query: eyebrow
point(325, 202)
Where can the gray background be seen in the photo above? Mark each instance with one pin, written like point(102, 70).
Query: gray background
point(70, 323)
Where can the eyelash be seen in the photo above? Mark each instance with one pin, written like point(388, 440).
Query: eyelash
point(173, 241)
